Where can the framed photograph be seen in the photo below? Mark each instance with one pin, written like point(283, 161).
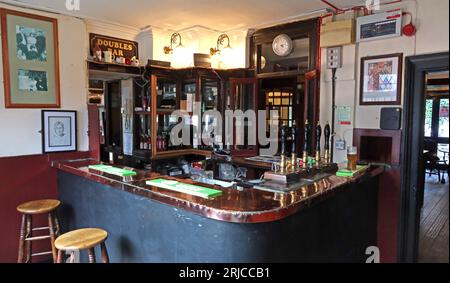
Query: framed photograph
point(59, 131)
point(30, 60)
point(381, 80)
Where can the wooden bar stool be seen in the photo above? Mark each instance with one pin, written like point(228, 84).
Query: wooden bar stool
point(82, 239)
point(29, 209)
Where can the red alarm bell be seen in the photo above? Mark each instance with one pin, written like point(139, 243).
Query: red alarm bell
point(409, 29)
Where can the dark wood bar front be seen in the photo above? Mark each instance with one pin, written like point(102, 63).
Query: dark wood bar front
point(332, 220)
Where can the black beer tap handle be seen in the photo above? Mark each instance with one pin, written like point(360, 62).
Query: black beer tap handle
point(327, 133)
point(283, 140)
point(318, 136)
point(305, 144)
point(294, 138)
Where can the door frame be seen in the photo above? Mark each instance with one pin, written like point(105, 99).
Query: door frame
point(412, 144)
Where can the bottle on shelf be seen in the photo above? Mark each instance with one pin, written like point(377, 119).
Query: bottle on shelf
point(141, 141)
point(159, 143)
point(149, 141)
point(145, 142)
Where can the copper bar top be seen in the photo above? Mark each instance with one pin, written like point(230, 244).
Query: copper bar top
point(237, 206)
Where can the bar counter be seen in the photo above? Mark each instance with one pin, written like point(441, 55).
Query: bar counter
point(319, 222)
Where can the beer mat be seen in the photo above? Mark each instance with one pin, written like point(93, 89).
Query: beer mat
point(276, 187)
point(180, 187)
point(264, 159)
point(344, 172)
point(113, 170)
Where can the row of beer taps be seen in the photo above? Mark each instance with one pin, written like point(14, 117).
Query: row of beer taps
point(293, 165)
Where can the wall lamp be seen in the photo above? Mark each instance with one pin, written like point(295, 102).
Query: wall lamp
point(220, 42)
point(175, 39)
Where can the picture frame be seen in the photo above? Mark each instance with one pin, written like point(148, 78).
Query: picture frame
point(59, 131)
point(30, 60)
point(381, 80)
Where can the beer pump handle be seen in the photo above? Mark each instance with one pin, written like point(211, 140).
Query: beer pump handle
point(305, 144)
point(283, 140)
point(294, 138)
point(318, 137)
point(327, 133)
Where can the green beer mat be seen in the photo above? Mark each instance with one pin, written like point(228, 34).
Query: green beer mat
point(189, 189)
point(344, 172)
point(113, 170)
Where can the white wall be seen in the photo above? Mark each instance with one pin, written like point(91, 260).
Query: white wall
point(19, 128)
point(199, 40)
point(431, 18)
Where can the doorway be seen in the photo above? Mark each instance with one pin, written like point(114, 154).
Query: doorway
point(433, 234)
point(113, 120)
point(423, 224)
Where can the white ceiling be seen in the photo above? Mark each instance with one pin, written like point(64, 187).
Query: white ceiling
point(223, 15)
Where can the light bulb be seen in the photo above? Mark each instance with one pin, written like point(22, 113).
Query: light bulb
point(226, 57)
point(182, 57)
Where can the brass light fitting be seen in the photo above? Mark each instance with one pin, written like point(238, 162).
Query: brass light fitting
point(220, 42)
point(175, 39)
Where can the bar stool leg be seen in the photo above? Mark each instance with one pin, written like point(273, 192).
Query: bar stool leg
point(22, 239)
point(59, 259)
point(52, 235)
point(105, 257)
point(72, 257)
point(56, 219)
point(29, 233)
point(91, 253)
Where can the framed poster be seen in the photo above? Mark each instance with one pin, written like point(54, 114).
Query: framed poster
point(381, 80)
point(59, 131)
point(30, 60)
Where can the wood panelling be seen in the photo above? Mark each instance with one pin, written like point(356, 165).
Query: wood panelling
point(26, 178)
point(388, 215)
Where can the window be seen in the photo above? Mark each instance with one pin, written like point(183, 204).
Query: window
point(282, 102)
point(443, 118)
point(436, 125)
point(428, 117)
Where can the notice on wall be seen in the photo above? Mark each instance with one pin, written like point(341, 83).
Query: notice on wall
point(344, 115)
point(128, 144)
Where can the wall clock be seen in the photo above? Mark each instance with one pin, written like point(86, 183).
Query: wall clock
point(282, 45)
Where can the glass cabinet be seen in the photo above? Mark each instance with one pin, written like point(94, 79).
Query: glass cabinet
point(243, 97)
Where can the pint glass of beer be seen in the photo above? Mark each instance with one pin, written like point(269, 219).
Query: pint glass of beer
point(352, 157)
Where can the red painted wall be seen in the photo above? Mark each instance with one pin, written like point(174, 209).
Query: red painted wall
point(24, 179)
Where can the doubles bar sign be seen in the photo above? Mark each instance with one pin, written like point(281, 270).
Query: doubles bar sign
point(119, 47)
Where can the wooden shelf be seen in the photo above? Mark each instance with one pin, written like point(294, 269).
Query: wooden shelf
point(280, 74)
point(142, 112)
point(164, 111)
point(176, 153)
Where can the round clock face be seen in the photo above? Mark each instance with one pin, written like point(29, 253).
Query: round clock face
point(282, 45)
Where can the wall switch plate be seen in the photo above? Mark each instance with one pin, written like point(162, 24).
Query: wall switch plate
point(340, 145)
point(334, 57)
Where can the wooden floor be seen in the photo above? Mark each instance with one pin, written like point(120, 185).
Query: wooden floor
point(433, 242)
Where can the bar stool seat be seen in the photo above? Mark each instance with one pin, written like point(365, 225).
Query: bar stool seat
point(33, 208)
point(39, 206)
point(83, 239)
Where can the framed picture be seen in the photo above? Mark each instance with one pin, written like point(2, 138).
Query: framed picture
point(381, 80)
point(59, 131)
point(30, 60)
